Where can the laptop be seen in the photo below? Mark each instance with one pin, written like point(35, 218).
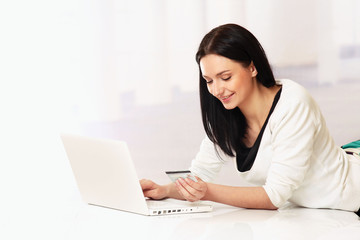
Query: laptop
point(106, 176)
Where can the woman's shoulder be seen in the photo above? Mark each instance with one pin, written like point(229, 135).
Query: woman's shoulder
point(293, 93)
point(296, 112)
point(294, 101)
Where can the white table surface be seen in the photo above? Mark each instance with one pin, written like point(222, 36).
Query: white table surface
point(224, 222)
point(74, 219)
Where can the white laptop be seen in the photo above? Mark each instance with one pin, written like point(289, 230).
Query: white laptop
point(106, 176)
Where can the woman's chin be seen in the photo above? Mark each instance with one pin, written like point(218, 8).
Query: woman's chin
point(229, 106)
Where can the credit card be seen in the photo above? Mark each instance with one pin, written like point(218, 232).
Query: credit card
point(175, 175)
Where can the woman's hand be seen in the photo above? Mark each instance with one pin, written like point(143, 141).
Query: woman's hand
point(191, 190)
point(153, 190)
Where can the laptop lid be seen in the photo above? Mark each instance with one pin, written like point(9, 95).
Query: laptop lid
point(106, 177)
point(104, 173)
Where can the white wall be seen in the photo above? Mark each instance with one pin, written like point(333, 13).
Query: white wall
point(146, 48)
point(287, 30)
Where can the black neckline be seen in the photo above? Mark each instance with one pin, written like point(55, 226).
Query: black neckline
point(245, 157)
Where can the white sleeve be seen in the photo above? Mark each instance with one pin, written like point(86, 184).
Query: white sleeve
point(292, 145)
point(207, 163)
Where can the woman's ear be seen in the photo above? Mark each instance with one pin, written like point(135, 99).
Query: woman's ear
point(253, 70)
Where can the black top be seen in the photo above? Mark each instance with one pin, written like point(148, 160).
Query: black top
point(245, 157)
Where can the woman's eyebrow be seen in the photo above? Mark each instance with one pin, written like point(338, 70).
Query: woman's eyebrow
point(218, 74)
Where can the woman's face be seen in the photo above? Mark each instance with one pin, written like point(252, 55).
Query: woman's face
point(228, 80)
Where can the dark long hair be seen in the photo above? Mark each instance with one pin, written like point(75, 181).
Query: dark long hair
point(227, 128)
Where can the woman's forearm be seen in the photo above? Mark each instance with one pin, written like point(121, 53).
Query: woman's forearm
point(172, 192)
point(245, 197)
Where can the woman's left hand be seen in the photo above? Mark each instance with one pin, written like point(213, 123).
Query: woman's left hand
point(191, 190)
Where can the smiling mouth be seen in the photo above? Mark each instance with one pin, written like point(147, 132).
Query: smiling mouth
point(227, 97)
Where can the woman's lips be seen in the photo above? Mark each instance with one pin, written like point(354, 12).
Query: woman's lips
point(227, 98)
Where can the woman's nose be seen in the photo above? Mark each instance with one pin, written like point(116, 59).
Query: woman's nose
point(217, 88)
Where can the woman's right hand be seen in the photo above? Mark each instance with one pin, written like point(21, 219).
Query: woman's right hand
point(153, 190)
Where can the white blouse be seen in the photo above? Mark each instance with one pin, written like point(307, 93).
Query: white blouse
point(297, 160)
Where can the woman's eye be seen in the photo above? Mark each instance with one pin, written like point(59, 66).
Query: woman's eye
point(226, 78)
point(208, 82)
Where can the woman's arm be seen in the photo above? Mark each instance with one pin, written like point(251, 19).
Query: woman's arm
point(186, 189)
point(245, 197)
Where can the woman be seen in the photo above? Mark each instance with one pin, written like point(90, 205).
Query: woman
point(272, 130)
